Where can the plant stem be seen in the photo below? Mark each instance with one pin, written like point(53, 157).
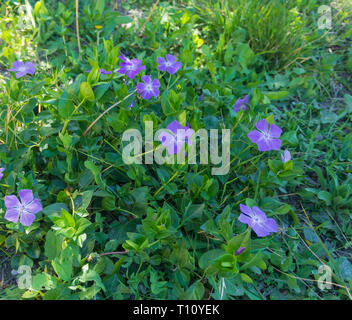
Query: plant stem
point(107, 110)
point(77, 29)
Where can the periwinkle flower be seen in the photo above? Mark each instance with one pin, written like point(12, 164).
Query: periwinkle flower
point(177, 137)
point(1, 172)
point(170, 64)
point(148, 89)
point(130, 67)
point(286, 156)
point(22, 69)
point(25, 208)
point(239, 251)
point(257, 220)
point(265, 138)
point(132, 104)
point(240, 104)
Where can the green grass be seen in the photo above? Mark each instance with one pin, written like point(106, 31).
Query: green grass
point(178, 223)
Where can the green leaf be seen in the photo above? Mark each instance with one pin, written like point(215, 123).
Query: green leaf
point(63, 264)
point(94, 169)
point(86, 91)
point(65, 107)
point(325, 196)
point(209, 257)
point(241, 240)
point(272, 95)
point(245, 55)
point(53, 245)
point(99, 6)
point(246, 278)
point(68, 218)
point(55, 209)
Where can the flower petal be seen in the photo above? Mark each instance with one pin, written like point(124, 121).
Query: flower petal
point(140, 87)
point(262, 125)
point(11, 202)
point(156, 83)
point(271, 225)
point(275, 131)
point(260, 230)
point(246, 210)
point(255, 136)
point(12, 215)
point(259, 213)
point(34, 207)
point(174, 126)
point(27, 218)
point(245, 219)
point(30, 67)
point(170, 58)
point(146, 79)
point(20, 74)
point(160, 60)
point(122, 70)
point(26, 196)
point(131, 73)
point(287, 155)
point(16, 65)
point(275, 144)
point(161, 67)
point(264, 145)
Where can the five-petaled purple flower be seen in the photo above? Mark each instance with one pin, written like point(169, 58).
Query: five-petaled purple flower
point(170, 64)
point(286, 156)
point(176, 138)
point(22, 69)
point(1, 172)
point(265, 138)
point(130, 67)
point(148, 89)
point(240, 104)
point(257, 220)
point(26, 208)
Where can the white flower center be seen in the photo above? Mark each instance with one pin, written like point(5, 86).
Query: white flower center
point(21, 208)
point(22, 69)
point(257, 220)
point(266, 136)
point(148, 87)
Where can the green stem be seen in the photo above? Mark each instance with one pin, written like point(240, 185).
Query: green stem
point(68, 121)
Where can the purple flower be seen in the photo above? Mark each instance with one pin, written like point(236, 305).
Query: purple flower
point(101, 70)
point(22, 68)
point(239, 251)
point(130, 67)
point(286, 156)
point(170, 64)
point(132, 104)
point(257, 220)
point(177, 137)
point(266, 138)
point(240, 104)
point(1, 172)
point(26, 208)
point(149, 88)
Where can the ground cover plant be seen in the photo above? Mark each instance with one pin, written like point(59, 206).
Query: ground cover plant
point(80, 220)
